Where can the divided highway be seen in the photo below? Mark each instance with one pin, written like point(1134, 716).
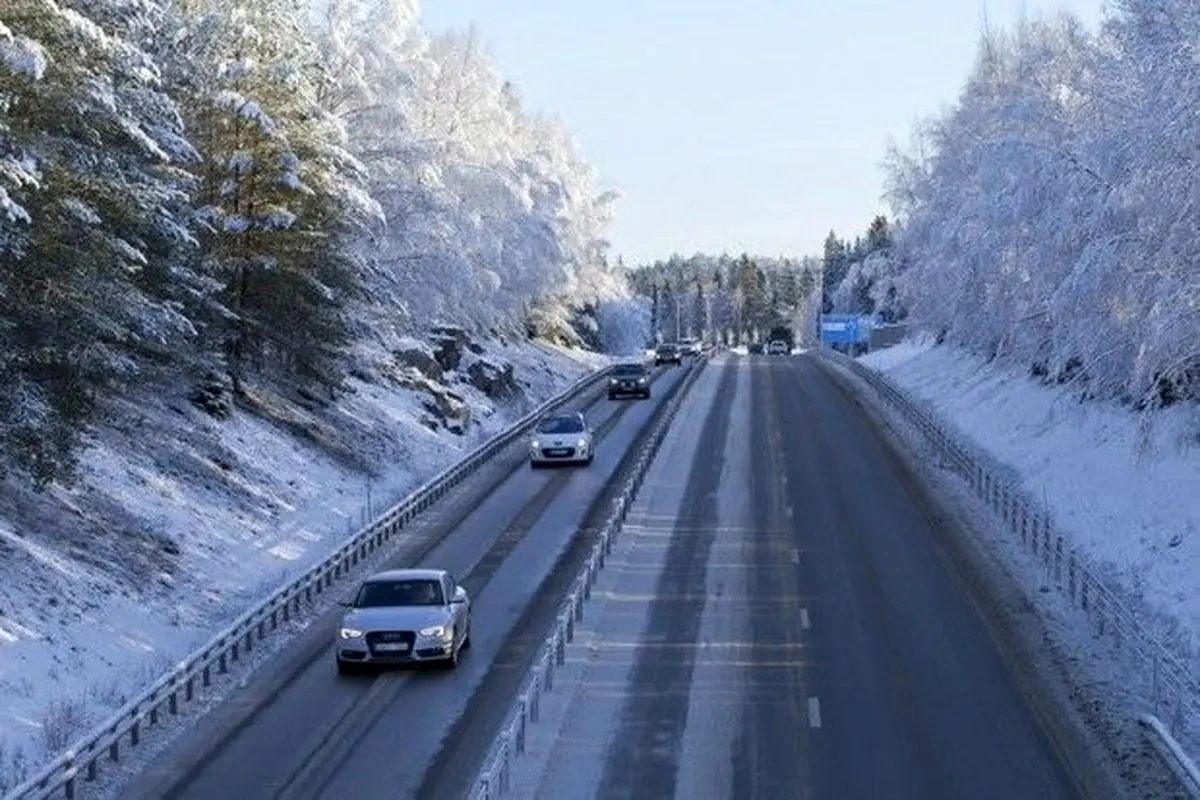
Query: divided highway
point(778, 622)
point(298, 731)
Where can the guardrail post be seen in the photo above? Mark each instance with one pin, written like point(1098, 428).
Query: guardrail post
point(523, 707)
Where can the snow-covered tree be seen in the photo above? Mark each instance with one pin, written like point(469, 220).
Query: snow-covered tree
point(91, 182)
point(624, 325)
point(279, 194)
point(1050, 216)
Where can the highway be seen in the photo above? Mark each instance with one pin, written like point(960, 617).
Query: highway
point(782, 623)
point(298, 730)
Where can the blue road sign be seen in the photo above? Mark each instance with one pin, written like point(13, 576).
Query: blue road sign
point(843, 328)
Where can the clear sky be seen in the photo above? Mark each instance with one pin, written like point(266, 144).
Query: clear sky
point(748, 125)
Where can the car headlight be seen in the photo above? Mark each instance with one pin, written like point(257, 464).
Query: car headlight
point(535, 444)
point(582, 443)
point(641, 380)
point(613, 381)
point(350, 633)
point(435, 631)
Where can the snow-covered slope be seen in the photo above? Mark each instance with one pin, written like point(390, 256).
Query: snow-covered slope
point(180, 521)
point(1125, 486)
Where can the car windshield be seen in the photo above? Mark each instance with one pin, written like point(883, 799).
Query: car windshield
point(409, 592)
point(666, 348)
point(560, 425)
point(630, 369)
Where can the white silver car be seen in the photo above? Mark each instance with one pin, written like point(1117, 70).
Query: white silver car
point(561, 438)
point(778, 347)
point(404, 616)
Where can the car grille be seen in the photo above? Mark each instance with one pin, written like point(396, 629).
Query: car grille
point(375, 638)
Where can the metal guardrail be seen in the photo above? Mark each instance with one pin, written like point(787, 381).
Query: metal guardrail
point(170, 693)
point(495, 778)
point(1170, 751)
point(1173, 686)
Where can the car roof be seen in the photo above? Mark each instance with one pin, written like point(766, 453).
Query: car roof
point(407, 575)
point(626, 364)
point(667, 344)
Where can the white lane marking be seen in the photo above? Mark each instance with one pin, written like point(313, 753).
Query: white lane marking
point(795, 556)
point(814, 712)
point(804, 618)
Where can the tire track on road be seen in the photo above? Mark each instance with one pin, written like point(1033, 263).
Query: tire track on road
point(646, 758)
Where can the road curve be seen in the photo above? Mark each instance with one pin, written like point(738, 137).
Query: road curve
point(782, 624)
point(297, 730)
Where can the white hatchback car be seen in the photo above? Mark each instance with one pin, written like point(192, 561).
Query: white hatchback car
point(778, 347)
point(561, 438)
point(404, 616)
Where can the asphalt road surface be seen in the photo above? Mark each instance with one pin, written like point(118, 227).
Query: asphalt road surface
point(783, 625)
point(298, 730)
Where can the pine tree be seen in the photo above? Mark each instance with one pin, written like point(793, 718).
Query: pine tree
point(278, 191)
point(91, 151)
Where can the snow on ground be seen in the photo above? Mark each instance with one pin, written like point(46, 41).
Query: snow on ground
point(1125, 486)
point(181, 521)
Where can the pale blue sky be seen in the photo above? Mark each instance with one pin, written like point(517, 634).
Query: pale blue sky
point(753, 125)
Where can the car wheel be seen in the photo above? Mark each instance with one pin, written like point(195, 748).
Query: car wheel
point(451, 661)
point(534, 464)
point(346, 667)
point(466, 645)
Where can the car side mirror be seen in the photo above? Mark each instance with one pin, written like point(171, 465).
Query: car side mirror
point(460, 596)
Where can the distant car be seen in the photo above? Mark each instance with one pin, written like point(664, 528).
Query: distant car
point(754, 348)
point(561, 438)
point(629, 379)
point(689, 347)
point(778, 347)
point(667, 354)
point(404, 616)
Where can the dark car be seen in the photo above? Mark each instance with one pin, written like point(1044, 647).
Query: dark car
point(629, 380)
point(667, 354)
point(755, 348)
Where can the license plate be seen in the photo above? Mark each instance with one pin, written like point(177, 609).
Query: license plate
point(559, 451)
point(392, 647)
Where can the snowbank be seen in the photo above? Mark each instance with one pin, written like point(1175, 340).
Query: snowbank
point(181, 521)
point(1126, 486)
